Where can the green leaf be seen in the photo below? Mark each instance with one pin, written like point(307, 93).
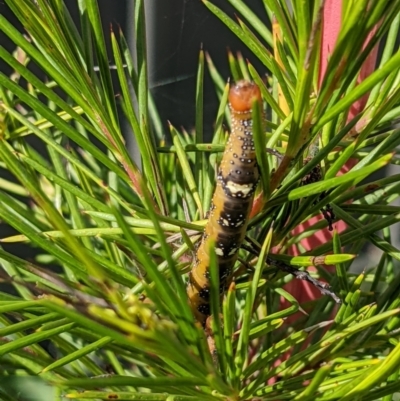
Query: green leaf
point(350, 178)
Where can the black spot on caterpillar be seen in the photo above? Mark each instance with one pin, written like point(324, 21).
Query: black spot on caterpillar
point(237, 180)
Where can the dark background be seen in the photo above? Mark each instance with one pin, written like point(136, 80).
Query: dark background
point(177, 29)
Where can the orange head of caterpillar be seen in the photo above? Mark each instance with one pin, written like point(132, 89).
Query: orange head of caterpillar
point(242, 95)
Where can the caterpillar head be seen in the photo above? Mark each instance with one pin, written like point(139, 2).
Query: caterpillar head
point(242, 95)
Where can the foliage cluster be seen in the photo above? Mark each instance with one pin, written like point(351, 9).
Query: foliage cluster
point(121, 236)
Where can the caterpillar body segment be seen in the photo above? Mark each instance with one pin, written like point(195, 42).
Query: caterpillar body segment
point(237, 180)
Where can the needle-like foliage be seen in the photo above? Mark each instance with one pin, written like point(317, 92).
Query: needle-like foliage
point(102, 311)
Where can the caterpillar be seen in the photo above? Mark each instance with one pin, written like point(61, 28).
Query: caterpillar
point(231, 204)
